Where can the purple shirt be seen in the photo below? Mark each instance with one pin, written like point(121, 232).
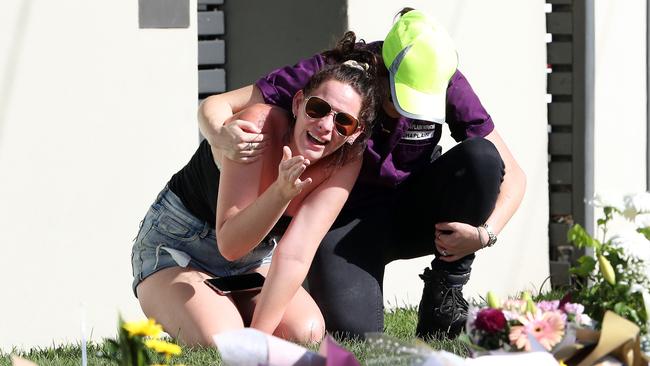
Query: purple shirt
point(397, 146)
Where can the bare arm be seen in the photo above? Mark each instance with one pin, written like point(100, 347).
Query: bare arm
point(513, 186)
point(243, 217)
point(231, 140)
point(464, 239)
point(297, 247)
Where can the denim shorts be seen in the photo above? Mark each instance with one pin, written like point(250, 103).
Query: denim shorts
point(170, 236)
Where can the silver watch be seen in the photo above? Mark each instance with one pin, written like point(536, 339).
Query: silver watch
point(492, 237)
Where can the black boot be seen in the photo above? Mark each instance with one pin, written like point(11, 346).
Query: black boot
point(443, 310)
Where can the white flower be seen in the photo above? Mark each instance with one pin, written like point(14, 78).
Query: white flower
point(637, 203)
point(608, 199)
point(584, 320)
point(636, 288)
point(633, 243)
point(620, 227)
point(642, 220)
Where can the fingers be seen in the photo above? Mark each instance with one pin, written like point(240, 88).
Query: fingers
point(248, 126)
point(286, 153)
point(297, 169)
point(446, 226)
point(251, 148)
point(450, 258)
point(303, 184)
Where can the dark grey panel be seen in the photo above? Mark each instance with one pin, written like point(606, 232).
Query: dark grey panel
point(212, 52)
point(560, 203)
point(210, 23)
point(559, 23)
point(560, 276)
point(560, 114)
point(560, 83)
point(164, 13)
point(212, 81)
point(210, 2)
point(559, 172)
point(262, 35)
point(559, 2)
point(560, 143)
point(558, 233)
point(559, 53)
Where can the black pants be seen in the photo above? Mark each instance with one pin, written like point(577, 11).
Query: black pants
point(346, 276)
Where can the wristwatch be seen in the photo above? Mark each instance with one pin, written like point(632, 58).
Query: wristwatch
point(492, 237)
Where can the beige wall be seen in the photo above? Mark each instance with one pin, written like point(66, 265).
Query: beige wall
point(502, 51)
point(620, 97)
point(95, 116)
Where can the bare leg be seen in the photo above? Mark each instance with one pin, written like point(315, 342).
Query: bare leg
point(187, 309)
point(302, 321)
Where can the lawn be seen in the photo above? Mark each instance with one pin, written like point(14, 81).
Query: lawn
point(400, 323)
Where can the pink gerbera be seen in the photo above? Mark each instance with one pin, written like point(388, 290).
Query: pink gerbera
point(547, 328)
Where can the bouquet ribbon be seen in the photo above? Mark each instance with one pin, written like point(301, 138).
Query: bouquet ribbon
point(618, 337)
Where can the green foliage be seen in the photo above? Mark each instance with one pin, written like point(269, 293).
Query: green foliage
point(126, 350)
point(399, 323)
point(593, 290)
point(581, 238)
point(645, 231)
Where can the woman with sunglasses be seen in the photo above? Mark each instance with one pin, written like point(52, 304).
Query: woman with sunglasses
point(410, 200)
point(270, 215)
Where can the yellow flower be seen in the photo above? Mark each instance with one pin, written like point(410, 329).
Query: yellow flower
point(169, 349)
point(143, 328)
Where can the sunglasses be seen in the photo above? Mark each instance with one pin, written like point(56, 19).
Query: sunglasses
point(344, 123)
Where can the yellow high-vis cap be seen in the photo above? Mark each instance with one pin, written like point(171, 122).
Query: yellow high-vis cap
point(421, 59)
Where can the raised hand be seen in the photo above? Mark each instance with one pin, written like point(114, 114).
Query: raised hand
point(289, 171)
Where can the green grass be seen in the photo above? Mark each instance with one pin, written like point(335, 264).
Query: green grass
point(399, 323)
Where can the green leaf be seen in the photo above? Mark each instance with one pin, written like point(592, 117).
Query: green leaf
point(645, 231)
point(581, 238)
point(585, 266)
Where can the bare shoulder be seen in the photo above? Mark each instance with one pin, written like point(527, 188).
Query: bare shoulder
point(268, 117)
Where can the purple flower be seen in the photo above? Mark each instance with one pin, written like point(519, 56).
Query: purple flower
point(490, 320)
point(548, 305)
point(573, 308)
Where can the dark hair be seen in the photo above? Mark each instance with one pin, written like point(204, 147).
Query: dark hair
point(348, 48)
point(402, 12)
point(365, 83)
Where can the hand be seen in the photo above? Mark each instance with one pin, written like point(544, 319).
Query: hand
point(241, 141)
point(456, 239)
point(289, 172)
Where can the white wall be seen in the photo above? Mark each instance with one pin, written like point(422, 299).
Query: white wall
point(620, 97)
point(95, 116)
point(502, 51)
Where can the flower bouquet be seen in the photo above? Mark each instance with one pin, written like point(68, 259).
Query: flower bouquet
point(523, 325)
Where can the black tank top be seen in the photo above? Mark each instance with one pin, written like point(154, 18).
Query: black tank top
point(197, 185)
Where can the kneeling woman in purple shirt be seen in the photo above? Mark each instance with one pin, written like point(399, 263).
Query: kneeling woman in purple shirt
point(410, 199)
point(270, 215)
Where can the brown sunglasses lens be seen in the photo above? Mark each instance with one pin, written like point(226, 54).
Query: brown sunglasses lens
point(317, 108)
point(345, 124)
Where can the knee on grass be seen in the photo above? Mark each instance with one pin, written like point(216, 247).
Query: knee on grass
point(308, 331)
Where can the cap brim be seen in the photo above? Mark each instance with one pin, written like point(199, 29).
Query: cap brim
point(417, 105)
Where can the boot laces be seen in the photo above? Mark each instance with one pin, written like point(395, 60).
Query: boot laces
point(453, 304)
